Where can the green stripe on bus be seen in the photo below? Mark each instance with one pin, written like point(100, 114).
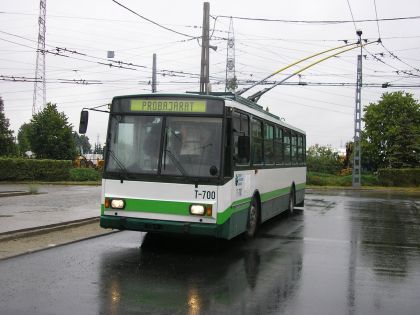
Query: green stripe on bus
point(275, 194)
point(238, 205)
point(300, 186)
point(157, 206)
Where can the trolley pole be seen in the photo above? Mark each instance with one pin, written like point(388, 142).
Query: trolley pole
point(357, 153)
point(154, 74)
point(205, 45)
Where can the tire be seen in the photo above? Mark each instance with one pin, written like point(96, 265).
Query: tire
point(291, 208)
point(253, 217)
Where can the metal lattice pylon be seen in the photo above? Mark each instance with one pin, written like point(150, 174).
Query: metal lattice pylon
point(357, 153)
point(231, 83)
point(40, 94)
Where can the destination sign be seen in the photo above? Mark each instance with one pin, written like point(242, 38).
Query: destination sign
point(169, 106)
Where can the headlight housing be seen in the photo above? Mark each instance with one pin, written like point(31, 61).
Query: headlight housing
point(197, 209)
point(117, 204)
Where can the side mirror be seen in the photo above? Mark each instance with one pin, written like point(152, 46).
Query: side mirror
point(84, 118)
point(243, 148)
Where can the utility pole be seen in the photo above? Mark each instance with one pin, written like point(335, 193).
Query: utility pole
point(357, 153)
point(40, 83)
point(154, 74)
point(205, 45)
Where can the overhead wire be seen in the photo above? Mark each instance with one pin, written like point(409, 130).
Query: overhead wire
point(318, 21)
point(381, 42)
point(352, 16)
point(153, 22)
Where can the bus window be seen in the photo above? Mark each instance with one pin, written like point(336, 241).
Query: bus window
point(135, 144)
point(240, 128)
point(228, 149)
point(192, 146)
point(257, 142)
point(286, 146)
point(278, 145)
point(294, 149)
point(300, 149)
point(268, 144)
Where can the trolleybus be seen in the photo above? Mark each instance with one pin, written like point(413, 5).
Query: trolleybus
point(216, 165)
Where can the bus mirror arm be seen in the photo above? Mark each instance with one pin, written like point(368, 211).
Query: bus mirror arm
point(84, 117)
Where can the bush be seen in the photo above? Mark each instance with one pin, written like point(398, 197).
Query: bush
point(84, 174)
point(28, 169)
point(403, 177)
point(323, 159)
point(322, 179)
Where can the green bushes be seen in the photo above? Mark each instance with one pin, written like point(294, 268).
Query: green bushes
point(84, 174)
point(322, 179)
point(403, 177)
point(323, 159)
point(15, 169)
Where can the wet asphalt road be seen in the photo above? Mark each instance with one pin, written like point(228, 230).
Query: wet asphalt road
point(346, 253)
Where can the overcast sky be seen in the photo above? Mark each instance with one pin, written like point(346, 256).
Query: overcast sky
point(92, 27)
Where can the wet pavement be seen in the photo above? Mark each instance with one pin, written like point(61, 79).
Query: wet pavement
point(52, 204)
point(346, 253)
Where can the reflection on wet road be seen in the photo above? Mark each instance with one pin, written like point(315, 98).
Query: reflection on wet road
point(346, 253)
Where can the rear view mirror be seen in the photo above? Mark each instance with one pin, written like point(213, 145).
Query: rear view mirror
point(84, 118)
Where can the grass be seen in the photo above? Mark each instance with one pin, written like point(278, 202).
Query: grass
point(33, 189)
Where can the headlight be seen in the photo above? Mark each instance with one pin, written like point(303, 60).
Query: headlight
point(201, 210)
point(117, 204)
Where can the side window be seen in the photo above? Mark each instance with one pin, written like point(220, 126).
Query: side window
point(278, 145)
point(294, 149)
point(304, 149)
point(257, 142)
point(240, 128)
point(268, 144)
point(286, 146)
point(300, 149)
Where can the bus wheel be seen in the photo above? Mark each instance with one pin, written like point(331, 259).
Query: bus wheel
point(292, 201)
point(251, 227)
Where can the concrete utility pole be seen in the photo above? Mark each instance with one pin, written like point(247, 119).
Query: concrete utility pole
point(154, 74)
point(205, 45)
point(357, 153)
point(40, 88)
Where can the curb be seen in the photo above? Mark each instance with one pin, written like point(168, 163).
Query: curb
point(13, 193)
point(46, 229)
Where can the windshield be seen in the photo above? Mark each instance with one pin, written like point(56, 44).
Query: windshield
point(191, 145)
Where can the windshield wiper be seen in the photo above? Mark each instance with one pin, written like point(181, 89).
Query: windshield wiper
point(176, 162)
point(124, 173)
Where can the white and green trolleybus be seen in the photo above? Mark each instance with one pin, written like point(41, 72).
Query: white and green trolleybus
point(216, 165)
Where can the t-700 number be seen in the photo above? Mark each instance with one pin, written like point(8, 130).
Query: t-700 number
point(205, 194)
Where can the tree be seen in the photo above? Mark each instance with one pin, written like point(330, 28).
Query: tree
point(391, 134)
point(51, 136)
point(7, 145)
point(98, 149)
point(83, 145)
point(23, 139)
point(323, 159)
